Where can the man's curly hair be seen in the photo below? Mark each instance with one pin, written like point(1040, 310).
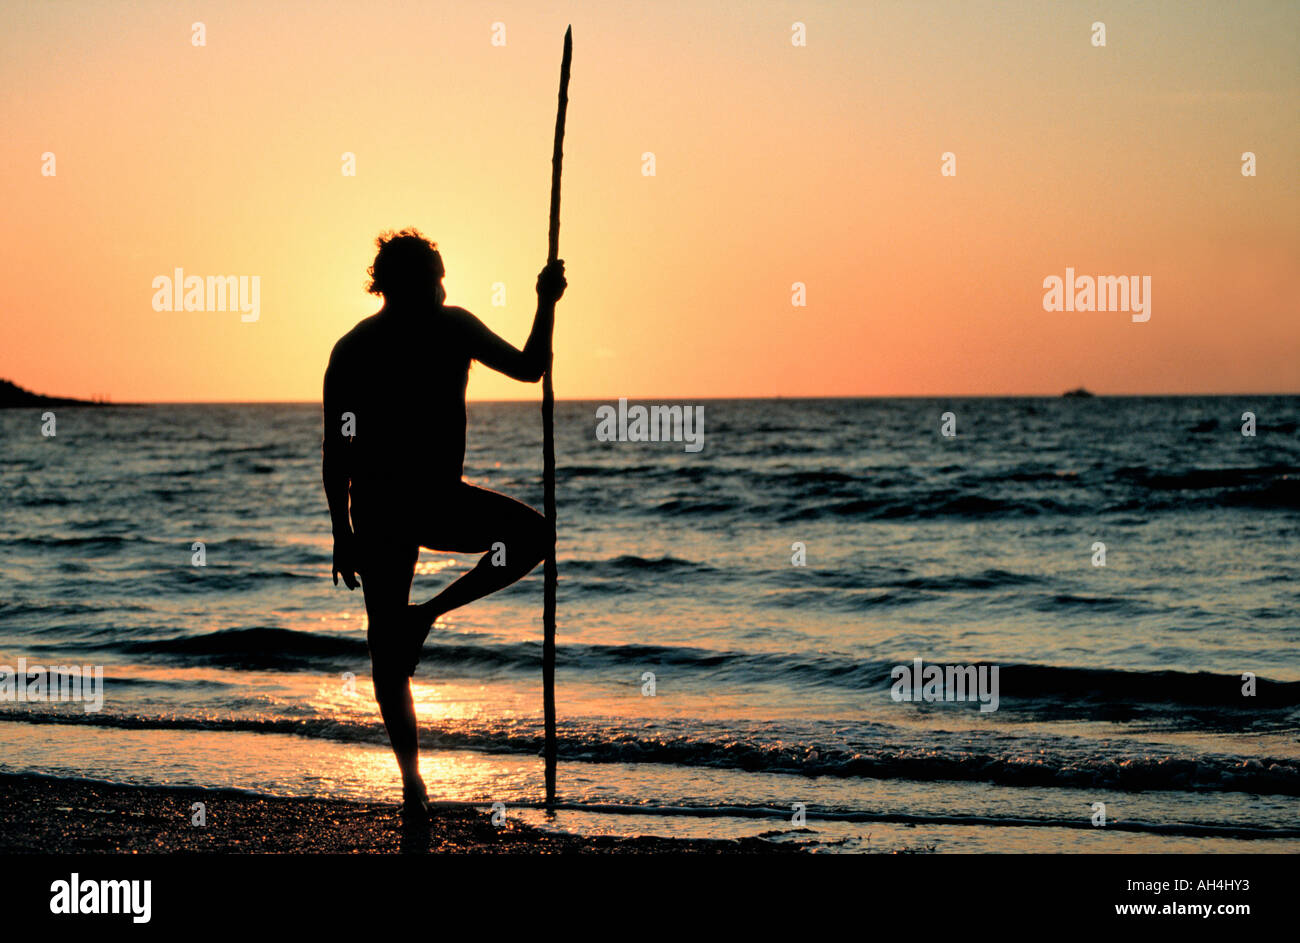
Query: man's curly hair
point(403, 262)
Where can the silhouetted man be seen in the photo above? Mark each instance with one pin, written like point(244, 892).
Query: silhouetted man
point(394, 413)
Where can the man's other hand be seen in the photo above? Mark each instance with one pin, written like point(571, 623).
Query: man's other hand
point(345, 560)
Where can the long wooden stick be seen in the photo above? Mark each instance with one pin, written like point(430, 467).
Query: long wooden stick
point(548, 440)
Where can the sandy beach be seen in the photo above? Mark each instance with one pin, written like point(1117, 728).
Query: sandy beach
point(44, 815)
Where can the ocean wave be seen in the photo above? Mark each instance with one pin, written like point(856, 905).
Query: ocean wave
point(988, 579)
point(258, 648)
point(687, 506)
point(240, 577)
point(46, 610)
point(1198, 479)
point(272, 647)
point(79, 542)
point(920, 505)
point(1126, 770)
point(634, 564)
point(951, 492)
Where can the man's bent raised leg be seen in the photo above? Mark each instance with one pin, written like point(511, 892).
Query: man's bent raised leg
point(511, 536)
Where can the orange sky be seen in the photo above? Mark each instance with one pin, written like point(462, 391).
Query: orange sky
point(775, 164)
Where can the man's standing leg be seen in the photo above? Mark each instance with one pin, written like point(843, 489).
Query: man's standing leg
point(387, 568)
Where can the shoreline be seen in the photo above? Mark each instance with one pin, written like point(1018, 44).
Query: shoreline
point(46, 814)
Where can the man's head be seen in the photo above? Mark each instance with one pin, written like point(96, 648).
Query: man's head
point(407, 269)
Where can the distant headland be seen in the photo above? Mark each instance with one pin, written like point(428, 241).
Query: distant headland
point(12, 396)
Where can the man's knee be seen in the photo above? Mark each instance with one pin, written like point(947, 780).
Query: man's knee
point(535, 536)
point(382, 638)
point(524, 543)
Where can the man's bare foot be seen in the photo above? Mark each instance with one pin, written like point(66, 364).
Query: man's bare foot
point(415, 809)
point(415, 813)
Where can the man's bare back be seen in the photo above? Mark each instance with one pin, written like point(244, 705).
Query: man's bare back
point(403, 377)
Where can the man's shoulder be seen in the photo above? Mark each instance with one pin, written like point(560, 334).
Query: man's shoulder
point(355, 338)
point(459, 315)
point(467, 323)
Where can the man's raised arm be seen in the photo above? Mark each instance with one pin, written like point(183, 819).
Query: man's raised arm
point(528, 364)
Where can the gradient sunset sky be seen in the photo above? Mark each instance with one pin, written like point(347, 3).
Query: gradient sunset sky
point(775, 164)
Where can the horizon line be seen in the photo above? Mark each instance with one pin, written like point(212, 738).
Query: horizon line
point(660, 398)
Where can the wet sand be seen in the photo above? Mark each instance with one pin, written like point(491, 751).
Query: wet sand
point(47, 815)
